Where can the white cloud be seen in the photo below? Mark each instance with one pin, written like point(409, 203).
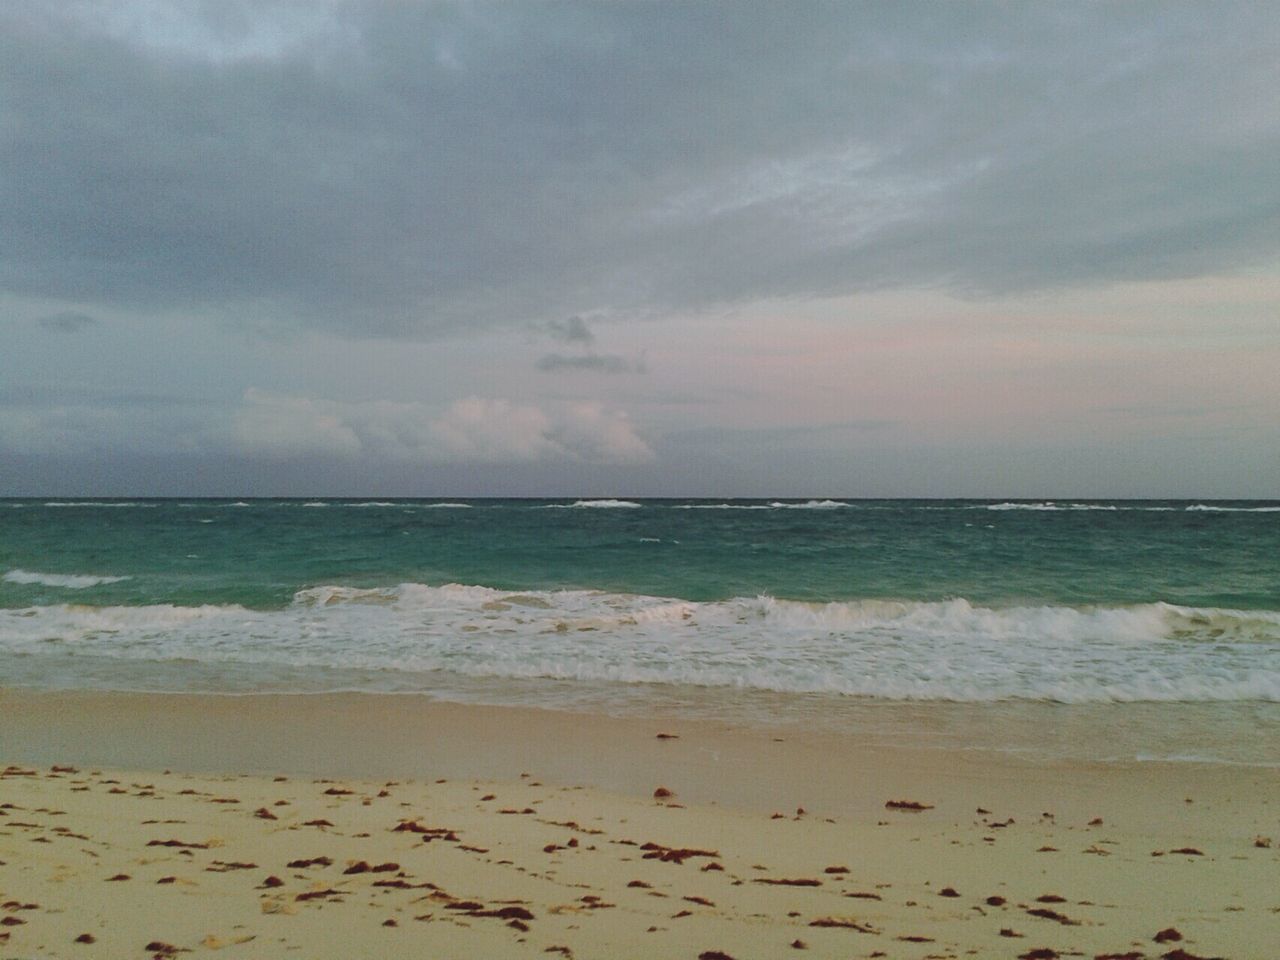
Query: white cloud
point(494, 430)
point(285, 427)
point(472, 430)
point(590, 432)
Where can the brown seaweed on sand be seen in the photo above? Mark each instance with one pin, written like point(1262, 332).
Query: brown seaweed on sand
point(177, 843)
point(677, 855)
point(912, 805)
point(318, 894)
point(844, 923)
point(1046, 914)
point(161, 949)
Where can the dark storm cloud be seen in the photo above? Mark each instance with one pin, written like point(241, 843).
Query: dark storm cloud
point(416, 167)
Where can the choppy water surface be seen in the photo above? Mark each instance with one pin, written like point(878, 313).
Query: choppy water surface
point(1162, 615)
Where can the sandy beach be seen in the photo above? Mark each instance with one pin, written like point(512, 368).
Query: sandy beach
point(339, 826)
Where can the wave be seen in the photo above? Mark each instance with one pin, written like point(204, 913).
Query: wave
point(1052, 505)
point(771, 505)
point(1212, 508)
point(808, 505)
point(594, 505)
point(886, 649)
point(72, 581)
point(722, 506)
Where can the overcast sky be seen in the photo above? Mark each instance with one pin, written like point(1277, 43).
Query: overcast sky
point(756, 249)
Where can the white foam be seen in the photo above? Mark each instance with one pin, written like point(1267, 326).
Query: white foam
point(721, 506)
point(887, 649)
point(444, 506)
point(594, 505)
point(1050, 505)
point(315, 503)
point(1212, 508)
point(808, 505)
point(72, 581)
point(771, 505)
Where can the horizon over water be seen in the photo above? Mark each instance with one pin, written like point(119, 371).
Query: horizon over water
point(1098, 629)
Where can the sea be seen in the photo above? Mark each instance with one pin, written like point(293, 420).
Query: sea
point(1099, 630)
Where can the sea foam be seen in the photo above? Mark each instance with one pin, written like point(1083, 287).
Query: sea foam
point(606, 504)
point(885, 649)
point(72, 581)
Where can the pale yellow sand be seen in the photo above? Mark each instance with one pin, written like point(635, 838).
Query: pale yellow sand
point(569, 863)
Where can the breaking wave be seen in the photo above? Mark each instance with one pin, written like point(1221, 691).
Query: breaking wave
point(884, 649)
point(72, 581)
point(607, 504)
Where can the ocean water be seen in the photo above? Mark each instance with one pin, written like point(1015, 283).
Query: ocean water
point(1112, 628)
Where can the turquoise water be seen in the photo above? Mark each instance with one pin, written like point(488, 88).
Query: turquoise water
point(994, 553)
point(1152, 625)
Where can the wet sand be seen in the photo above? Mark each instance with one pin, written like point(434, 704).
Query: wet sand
point(339, 826)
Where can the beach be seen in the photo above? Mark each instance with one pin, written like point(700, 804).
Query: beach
point(349, 825)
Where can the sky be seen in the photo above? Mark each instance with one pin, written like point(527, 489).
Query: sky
point(639, 249)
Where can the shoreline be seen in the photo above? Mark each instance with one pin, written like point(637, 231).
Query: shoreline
point(385, 735)
point(1100, 841)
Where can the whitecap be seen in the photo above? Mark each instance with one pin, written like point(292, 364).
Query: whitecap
point(607, 504)
point(950, 650)
point(1213, 508)
point(809, 505)
point(71, 581)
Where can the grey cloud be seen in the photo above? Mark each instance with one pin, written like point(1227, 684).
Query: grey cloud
point(592, 362)
point(572, 330)
point(420, 167)
point(1154, 411)
point(750, 436)
point(66, 322)
point(54, 394)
